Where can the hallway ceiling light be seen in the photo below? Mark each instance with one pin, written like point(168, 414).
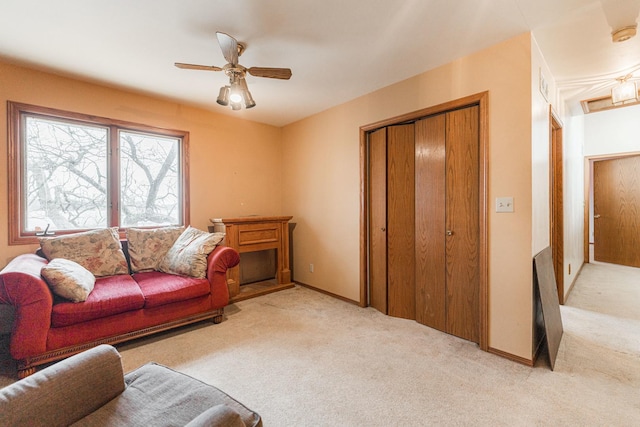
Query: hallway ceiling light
point(625, 91)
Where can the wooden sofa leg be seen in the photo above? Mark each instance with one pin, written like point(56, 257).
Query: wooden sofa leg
point(218, 319)
point(24, 373)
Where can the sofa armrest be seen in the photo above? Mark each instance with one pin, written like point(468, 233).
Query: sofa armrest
point(65, 392)
point(220, 260)
point(22, 287)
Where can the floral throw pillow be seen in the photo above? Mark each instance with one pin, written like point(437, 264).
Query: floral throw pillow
point(68, 279)
point(188, 255)
point(99, 251)
point(147, 247)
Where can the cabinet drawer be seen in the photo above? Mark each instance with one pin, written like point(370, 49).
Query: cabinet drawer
point(258, 235)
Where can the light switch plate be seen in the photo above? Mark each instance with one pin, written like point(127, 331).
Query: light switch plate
point(504, 204)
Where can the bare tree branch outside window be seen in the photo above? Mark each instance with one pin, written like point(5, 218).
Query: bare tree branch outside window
point(149, 180)
point(67, 182)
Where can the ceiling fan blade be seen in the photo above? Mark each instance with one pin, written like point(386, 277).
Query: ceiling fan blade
point(272, 73)
point(197, 67)
point(229, 47)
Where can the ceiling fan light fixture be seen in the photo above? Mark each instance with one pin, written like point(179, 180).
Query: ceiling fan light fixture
point(235, 93)
point(235, 98)
point(223, 96)
point(246, 95)
point(248, 100)
point(625, 91)
point(624, 33)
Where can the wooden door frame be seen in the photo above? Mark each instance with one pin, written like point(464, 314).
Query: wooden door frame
point(588, 191)
point(482, 101)
point(556, 202)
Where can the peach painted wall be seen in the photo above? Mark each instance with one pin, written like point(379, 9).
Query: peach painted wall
point(234, 164)
point(321, 181)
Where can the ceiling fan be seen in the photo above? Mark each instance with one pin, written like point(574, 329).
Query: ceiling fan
point(236, 93)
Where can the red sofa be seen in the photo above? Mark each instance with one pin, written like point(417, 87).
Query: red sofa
point(121, 307)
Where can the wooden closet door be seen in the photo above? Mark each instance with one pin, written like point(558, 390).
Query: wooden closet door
point(426, 266)
point(462, 223)
point(400, 221)
point(447, 222)
point(378, 220)
point(430, 222)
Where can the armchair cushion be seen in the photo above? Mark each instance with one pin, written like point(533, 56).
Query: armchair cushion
point(157, 395)
point(219, 416)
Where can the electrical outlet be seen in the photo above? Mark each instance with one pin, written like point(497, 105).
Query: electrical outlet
point(310, 268)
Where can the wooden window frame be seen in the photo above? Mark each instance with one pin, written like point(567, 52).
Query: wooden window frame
point(16, 170)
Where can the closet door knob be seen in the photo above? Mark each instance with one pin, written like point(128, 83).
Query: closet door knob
point(383, 229)
point(449, 233)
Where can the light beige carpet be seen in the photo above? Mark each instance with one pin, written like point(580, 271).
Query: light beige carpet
point(301, 358)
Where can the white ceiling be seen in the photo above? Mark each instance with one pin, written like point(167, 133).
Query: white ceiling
point(337, 49)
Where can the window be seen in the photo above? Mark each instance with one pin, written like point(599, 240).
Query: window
point(70, 172)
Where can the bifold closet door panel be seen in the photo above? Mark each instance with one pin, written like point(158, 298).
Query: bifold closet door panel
point(462, 223)
point(378, 220)
point(401, 221)
point(430, 221)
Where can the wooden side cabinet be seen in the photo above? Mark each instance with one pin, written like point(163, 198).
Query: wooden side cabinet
point(257, 233)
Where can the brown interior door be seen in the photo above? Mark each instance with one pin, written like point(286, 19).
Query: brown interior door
point(616, 204)
point(462, 224)
point(430, 222)
point(400, 221)
point(378, 220)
